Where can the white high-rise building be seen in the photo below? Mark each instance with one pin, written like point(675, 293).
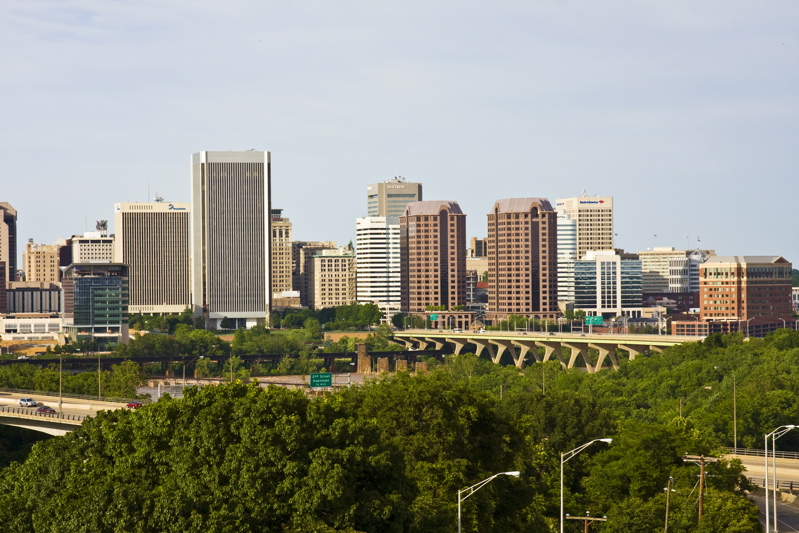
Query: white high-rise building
point(377, 260)
point(231, 237)
point(152, 238)
point(567, 255)
point(593, 216)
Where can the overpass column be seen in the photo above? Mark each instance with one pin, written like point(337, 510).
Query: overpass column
point(605, 350)
point(503, 345)
point(460, 344)
point(526, 347)
point(634, 351)
point(423, 344)
point(484, 345)
point(578, 350)
point(438, 343)
point(549, 349)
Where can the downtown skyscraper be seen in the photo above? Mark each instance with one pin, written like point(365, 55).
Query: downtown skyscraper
point(522, 259)
point(231, 237)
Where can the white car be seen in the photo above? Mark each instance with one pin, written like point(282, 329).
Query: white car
point(27, 402)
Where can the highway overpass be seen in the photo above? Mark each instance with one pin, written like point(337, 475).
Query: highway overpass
point(71, 414)
point(522, 346)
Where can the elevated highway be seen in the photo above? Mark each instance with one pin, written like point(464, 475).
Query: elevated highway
point(522, 346)
point(69, 416)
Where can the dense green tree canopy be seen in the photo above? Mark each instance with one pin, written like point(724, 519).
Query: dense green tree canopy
point(392, 454)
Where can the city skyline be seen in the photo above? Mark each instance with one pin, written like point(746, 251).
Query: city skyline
point(682, 113)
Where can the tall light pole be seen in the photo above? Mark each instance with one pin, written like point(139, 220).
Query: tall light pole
point(777, 433)
point(468, 491)
point(685, 399)
point(734, 412)
point(747, 327)
point(565, 457)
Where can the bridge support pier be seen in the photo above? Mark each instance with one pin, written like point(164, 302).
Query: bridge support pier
point(502, 346)
point(459, 344)
point(526, 347)
point(634, 351)
point(578, 350)
point(605, 351)
point(484, 345)
point(549, 349)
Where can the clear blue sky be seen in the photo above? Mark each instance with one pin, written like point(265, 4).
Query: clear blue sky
point(686, 112)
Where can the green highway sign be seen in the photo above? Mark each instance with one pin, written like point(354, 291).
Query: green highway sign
point(434, 317)
point(321, 380)
point(593, 321)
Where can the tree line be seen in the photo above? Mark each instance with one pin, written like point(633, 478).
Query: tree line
point(391, 455)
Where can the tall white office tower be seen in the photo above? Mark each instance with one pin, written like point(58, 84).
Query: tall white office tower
point(231, 234)
point(594, 218)
point(377, 261)
point(152, 238)
point(567, 255)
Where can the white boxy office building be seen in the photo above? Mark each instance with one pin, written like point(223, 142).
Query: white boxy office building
point(231, 237)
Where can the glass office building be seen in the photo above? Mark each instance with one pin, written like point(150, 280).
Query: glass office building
point(96, 303)
point(607, 285)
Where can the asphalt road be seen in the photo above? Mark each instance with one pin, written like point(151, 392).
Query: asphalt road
point(787, 513)
point(72, 406)
point(787, 469)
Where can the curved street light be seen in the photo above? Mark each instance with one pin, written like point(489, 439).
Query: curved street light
point(565, 457)
point(477, 486)
point(777, 433)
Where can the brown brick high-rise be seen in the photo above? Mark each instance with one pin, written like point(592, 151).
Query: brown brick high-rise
point(522, 259)
point(433, 256)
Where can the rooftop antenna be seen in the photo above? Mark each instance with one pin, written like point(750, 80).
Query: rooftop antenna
point(158, 197)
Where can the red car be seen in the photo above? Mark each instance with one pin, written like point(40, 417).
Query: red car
point(45, 410)
point(134, 405)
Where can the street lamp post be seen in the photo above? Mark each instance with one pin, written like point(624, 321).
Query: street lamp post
point(565, 457)
point(783, 324)
point(777, 433)
point(747, 327)
point(685, 399)
point(468, 491)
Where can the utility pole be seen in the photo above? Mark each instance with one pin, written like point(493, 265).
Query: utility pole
point(668, 490)
point(701, 460)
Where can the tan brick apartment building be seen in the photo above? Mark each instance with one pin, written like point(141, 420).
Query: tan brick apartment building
point(522, 259)
point(433, 258)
